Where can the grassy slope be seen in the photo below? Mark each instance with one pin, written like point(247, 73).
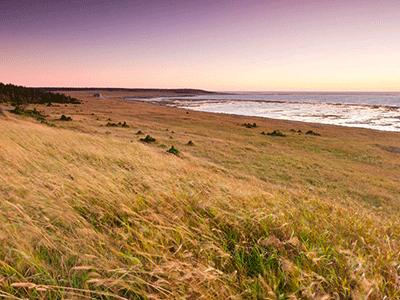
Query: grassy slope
point(94, 215)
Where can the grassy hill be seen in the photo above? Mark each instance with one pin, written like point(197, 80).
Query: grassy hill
point(88, 211)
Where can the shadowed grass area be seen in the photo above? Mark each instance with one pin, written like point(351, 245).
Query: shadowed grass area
point(95, 216)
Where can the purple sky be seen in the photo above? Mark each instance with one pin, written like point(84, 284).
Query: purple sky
point(216, 45)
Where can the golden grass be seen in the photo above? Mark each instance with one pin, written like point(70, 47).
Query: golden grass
point(88, 211)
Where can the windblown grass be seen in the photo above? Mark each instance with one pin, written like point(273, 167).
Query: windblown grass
point(85, 215)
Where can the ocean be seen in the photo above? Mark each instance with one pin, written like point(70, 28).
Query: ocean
point(380, 111)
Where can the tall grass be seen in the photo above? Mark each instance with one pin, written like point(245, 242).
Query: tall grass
point(85, 216)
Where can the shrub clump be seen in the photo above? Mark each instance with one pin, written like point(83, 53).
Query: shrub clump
point(65, 118)
point(310, 132)
point(249, 125)
point(294, 131)
point(274, 133)
point(109, 124)
point(148, 139)
point(173, 150)
point(190, 143)
point(21, 110)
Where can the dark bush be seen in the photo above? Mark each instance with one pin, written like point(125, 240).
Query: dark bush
point(109, 124)
point(65, 118)
point(310, 132)
point(248, 125)
point(148, 139)
point(276, 133)
point(190, 143)
point(21, 110)
point(173, 150)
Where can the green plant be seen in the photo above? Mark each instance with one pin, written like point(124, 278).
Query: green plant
point(148, 139)
point(249, 125)
point(190, 143)
point(276, 133)
point(109, 124)
point(173, 150)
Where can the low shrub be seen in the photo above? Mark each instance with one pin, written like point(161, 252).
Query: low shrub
point(310, 132)
point(276, 133)
point(21, 110)
point(248, 125)
point(173, 150)
point(109, 124)
point(65, 118)
point(190, 143)
point(148, 139)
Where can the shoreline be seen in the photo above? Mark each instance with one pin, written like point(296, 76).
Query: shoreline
point(382, 118)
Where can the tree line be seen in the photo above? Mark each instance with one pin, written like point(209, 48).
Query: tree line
point(20, 95)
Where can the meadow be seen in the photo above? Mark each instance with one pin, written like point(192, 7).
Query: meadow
point(90, 211)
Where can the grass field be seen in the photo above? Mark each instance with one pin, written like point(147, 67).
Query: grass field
point(88, 211)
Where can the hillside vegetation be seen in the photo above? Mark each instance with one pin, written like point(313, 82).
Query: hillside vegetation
point(89, 211)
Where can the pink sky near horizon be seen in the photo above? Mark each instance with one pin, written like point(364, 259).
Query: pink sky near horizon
point(214, 45)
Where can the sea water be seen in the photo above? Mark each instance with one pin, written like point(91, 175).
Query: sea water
point(379, 111)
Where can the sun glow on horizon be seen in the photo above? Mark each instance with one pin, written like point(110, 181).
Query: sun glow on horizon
point(258, 46)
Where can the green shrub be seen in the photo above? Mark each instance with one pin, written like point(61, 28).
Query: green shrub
point(190, 143)
point(109, 124)
point(276, 133)
point(173, 150)
point(248, 125)
point(148, 139)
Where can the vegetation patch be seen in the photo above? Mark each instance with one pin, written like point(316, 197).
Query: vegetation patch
point(33, 113)
point(295, 131)
point(310, 132)
point(249, 125)
point(148, 139)
point(190, 143)
point(173, 150)
point(65, 118)
point(274, 133)
point(119, 124)
point(139, 132)
point(48, 124)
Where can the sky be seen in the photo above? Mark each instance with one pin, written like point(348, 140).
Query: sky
point(288, 45)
